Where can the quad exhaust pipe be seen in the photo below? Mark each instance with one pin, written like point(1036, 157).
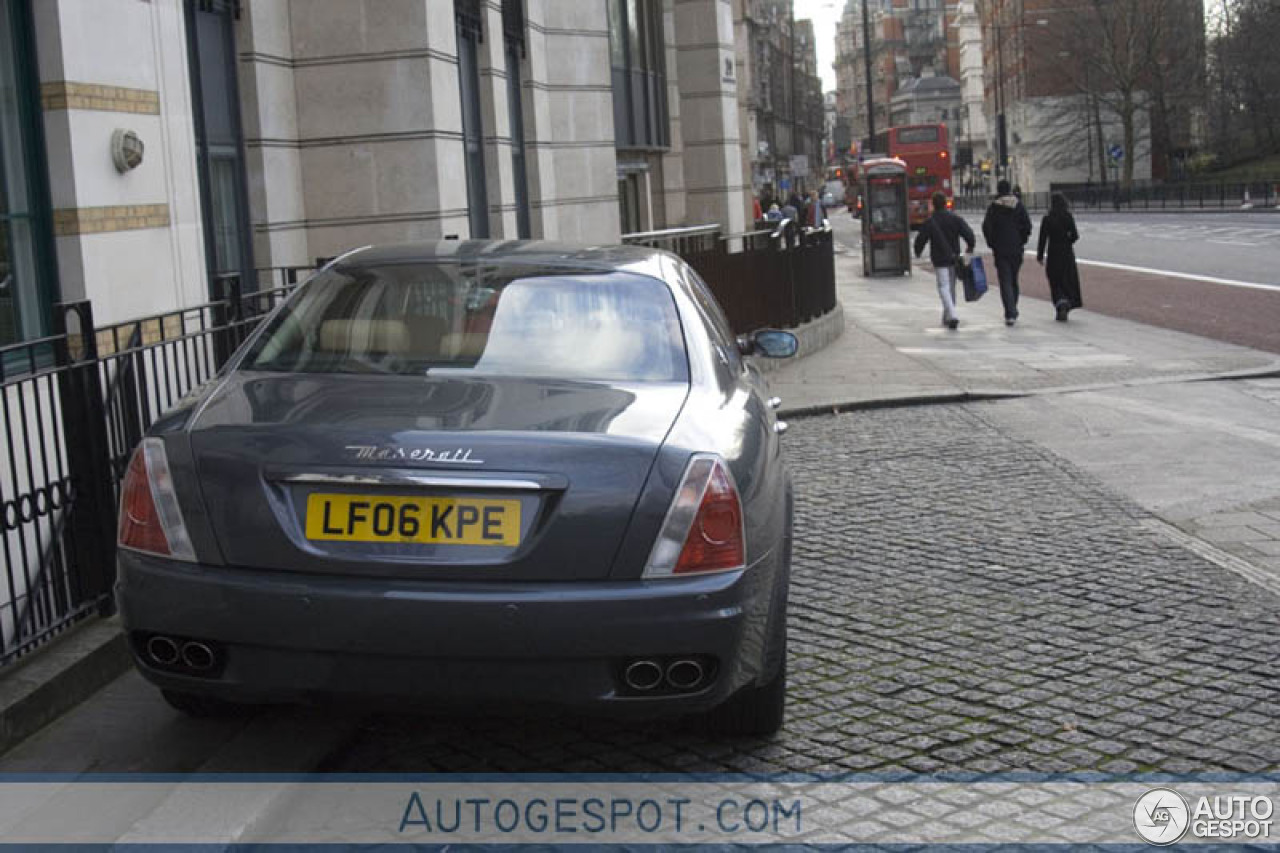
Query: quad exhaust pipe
point(198, 656)
point(681, 675)
point(684, 674)
point(162, 650)
point(643, 675)
point(170, 652)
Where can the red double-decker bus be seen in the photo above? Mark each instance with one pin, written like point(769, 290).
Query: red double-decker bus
point(924, 148)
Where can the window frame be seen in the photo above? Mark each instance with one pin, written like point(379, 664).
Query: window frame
point(45, 288)
point(469, 29)
point(642, 117)
point(228, 11)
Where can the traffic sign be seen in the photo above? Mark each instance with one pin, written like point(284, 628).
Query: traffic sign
point(1116, 152)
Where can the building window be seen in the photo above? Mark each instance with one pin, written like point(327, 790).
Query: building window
point(26, 265)
point(219, 141)
point(513, 39)
point(470, 35)
point(630, 195)
point(637, 53)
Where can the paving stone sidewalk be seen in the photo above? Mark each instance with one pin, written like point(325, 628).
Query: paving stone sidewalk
point(962, 600)
point(894, 349)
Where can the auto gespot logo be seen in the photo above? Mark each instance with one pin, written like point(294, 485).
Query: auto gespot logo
point(1163, 816)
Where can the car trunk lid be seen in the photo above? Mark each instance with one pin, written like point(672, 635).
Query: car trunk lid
point(510, 479)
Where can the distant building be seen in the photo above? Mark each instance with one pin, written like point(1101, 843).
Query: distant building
point(972, 152)
point(1059, 128)
point(928, 99)
point(782, 124)
point(907, 38)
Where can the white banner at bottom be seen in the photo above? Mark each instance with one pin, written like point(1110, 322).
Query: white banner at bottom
point(560, 810)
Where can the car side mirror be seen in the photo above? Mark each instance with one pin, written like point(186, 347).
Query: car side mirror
point(770, 343)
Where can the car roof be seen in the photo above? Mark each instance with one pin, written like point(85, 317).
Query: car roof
point(539, 253)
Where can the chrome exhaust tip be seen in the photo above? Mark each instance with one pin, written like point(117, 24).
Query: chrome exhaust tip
point(643, 675)
point(162, 650)
point(685, 674)
point(197, 655)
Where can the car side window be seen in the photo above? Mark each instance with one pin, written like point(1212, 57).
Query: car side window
point(722, 333)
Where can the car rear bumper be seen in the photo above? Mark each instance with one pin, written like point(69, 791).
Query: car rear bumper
point(295, 637)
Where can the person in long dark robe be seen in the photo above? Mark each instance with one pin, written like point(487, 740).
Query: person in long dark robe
point(1057, 236)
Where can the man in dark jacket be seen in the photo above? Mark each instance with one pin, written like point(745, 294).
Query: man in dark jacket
point(941, 232)
point(1007, 228)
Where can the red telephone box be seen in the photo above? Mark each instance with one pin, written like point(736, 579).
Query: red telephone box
point(886, 230)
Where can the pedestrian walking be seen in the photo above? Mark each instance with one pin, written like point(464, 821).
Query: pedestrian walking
point(942, 232)
point(1007, 228)
point(1057, 236)
point(816, 215)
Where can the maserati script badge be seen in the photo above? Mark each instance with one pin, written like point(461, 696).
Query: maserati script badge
point(374, 453)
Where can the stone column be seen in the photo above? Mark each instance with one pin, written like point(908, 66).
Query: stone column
point(130, 240)
point(709, 126)
point(379, 121)
point(269, 119)
point(570, 142)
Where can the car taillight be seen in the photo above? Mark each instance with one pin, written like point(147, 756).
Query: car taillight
point(703, 530)
point(150, 519)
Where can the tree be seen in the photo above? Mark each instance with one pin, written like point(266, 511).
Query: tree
point(1126, 60)
point(1245, 78)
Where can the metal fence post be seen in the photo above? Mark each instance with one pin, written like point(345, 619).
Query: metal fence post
point(92, 513)
point(226, 317)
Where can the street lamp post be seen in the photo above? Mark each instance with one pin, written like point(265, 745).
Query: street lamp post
point(1002, 135)
point(1002, 141)
point(866, 56)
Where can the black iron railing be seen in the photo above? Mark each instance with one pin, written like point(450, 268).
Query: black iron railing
point(1215, 196)
point(73, 406)
point(781, 276)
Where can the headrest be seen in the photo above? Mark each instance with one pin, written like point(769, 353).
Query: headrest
point(364, 336)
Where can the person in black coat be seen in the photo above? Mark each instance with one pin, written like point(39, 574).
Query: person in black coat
point(941, 232)
point(1057, 235)
point(1007, 228)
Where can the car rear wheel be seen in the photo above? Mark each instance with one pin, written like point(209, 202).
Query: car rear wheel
point(195, 705)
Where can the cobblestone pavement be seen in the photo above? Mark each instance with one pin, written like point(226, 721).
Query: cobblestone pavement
point(962, 601)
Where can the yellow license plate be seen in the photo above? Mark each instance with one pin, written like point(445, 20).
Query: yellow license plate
point(416, 520)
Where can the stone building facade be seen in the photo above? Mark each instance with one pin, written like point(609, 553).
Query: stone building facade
point(907, 39)
point(780, 98)
point(149, 146)
point(1057, 86)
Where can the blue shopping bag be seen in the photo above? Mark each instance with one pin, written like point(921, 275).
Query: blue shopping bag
point(975, 280)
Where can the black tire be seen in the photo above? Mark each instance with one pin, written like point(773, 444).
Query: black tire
point(195, 705)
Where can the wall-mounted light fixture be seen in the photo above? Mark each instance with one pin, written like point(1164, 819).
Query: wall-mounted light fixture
point(126, 150)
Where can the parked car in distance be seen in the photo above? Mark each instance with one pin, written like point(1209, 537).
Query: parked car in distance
point(474, 474)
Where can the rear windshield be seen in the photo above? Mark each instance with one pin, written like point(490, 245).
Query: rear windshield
point(495, 320)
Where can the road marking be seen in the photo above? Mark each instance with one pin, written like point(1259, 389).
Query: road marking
point(1251, 285)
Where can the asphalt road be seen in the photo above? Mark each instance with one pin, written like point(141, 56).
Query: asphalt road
point(1155, 269)
point(1235, 246)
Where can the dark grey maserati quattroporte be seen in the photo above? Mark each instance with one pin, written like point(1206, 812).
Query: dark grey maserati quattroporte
point(473, 473)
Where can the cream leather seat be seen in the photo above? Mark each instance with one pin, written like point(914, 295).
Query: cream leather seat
point(361, 336)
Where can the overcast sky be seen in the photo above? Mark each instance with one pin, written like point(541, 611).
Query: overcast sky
point(824, 14)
